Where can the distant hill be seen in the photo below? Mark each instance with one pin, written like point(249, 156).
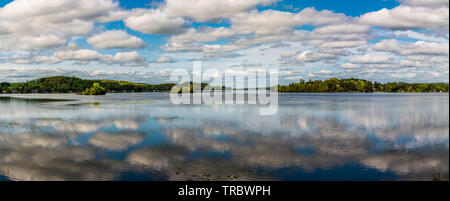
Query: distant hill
point(64, 84)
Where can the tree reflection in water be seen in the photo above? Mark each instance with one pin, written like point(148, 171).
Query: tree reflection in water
point(143, 136)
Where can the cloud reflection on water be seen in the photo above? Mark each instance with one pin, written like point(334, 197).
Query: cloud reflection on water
point(389, 134)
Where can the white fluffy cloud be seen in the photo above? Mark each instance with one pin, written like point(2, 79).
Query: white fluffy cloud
point(206, 10)
point(81, 57)
point(349, 65)
point(115, 39)
point(427, 3)
point(268, 26)
point(408, 17)
point(36, 42)
point(273, 21)
point(204, 34)
point(171, 17)
point(49, 23)
point(341, 44)
point(309, 56)
point(349, 28)
point(165, 59)
point(128, 58)
point(154, 21)
point(411, 38)
point(419, 47)
point(419, 36)
point(370, 59)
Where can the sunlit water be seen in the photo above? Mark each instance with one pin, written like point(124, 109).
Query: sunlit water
point(144, 137)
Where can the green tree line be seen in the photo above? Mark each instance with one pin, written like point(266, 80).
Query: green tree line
point(360, 85)
point(64, 84)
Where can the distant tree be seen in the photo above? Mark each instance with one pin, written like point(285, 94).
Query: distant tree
point(95, 90)
point(5, 84)
point(360, 85)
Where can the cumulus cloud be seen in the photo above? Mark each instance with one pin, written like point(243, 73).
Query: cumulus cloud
point(181, 47)
point(82, 54)
point(208, 56)
point(171, 16)
point(207, 10)
point(37, 24)
point(419, 47)
point(407, 17)
point(126, 58)
point(428, 3)
point(370, 59)
point(419, 36)
point(165, 59)
point(414, 34)
point(154, 21)
point(115, 39)
point(273, 21)
point(203, 34)
point(269, 26)
point(82, 57)
point(341, 44)
point(343, 28)
point(22, 73)
point(349, 65)
point(309, 56)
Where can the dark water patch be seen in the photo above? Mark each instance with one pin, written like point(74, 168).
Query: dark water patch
point(85, 104)
point(347, 172)
point(142, 176)
point(4, 178)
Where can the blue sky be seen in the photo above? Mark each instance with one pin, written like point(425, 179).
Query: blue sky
point(142, 40)
point(349, 7)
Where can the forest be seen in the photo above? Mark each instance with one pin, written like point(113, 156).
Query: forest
point(64, 84)
point(360, 85)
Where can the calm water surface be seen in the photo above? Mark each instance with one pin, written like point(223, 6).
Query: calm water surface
point(145, 137)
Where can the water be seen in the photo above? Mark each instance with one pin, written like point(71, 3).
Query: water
point(145, 137)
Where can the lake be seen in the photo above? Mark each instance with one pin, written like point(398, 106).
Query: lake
point(142, 136)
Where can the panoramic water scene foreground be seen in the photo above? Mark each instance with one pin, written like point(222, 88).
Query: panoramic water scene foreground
point(142, 136)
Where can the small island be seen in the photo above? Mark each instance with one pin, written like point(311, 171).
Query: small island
point(95, 90)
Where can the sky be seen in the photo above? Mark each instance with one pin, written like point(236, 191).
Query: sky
point(145, 40)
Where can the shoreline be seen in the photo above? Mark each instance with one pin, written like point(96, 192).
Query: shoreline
point(167, 92)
